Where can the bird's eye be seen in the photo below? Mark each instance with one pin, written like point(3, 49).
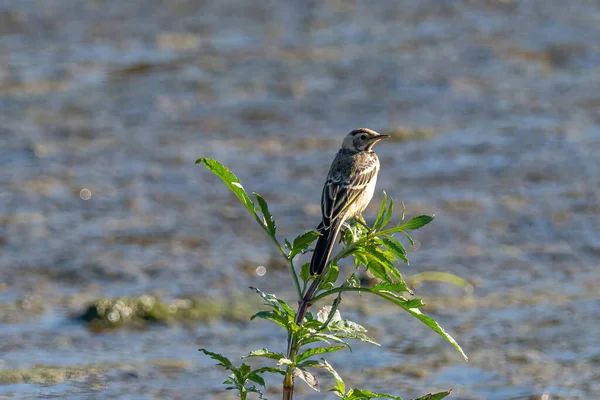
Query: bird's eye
point(363, 137)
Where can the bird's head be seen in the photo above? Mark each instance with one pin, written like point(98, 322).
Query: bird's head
point(362, 139)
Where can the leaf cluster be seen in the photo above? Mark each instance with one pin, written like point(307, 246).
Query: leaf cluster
point(375, 248)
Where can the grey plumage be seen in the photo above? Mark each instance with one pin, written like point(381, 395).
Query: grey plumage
point(347, 191)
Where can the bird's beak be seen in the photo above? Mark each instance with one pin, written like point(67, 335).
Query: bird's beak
point(381, 137)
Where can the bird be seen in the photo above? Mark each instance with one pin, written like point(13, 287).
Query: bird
point(347, 191)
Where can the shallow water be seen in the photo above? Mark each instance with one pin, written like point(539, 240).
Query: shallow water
point(120, 98)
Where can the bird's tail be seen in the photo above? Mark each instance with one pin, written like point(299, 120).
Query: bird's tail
point(323, 248)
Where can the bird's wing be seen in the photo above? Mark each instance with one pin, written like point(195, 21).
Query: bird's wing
point(341, 191)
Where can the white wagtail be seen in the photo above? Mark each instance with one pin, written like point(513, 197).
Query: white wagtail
point(348, 190)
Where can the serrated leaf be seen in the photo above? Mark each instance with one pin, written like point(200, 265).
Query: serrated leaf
point(257, 378)
point(316, 351)
point(268, 219)
point(253, 389)
point(435, 396)
point(308, 378)
point(223, 361)
point(381, 211)
point(360, 258)
point(378, 267)
point(265, 353)
point(273, 301)
point(417, 222)
point(231, 181)
point(302, 242)
point(393, 245)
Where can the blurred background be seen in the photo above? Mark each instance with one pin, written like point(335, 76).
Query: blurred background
point(106, 224)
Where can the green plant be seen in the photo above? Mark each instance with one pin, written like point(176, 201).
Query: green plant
point(374, 248)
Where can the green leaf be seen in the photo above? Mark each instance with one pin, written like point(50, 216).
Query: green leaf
point(223, 361)
point(322, 337)
point(268, 220)
point(279, 319)
point(357, 336)
point(417, 222)
point(305, 272)
point(308, 378)
point(272, 301)
point(393, 245)
point(410, 240)
point(330, 277)
point(358, 394)
point(268, 369)
point(388, 214)
point(436, 396)
point(257, 378)
point(393, 287)
point(430, 322)
point(316, 351)
point(353, 281)
point(412, 307)
point(381, 211)
point(232, 182)
point(266, 354)
point(360, 258)
point(302, 242)
point(379, 267)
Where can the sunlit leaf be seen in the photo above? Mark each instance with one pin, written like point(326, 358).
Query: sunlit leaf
point(266, 354)
point(232, 182)
point(308, 378)
point(417, 222)
point(339, 386)
point(302, 242)
point(268, 219)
